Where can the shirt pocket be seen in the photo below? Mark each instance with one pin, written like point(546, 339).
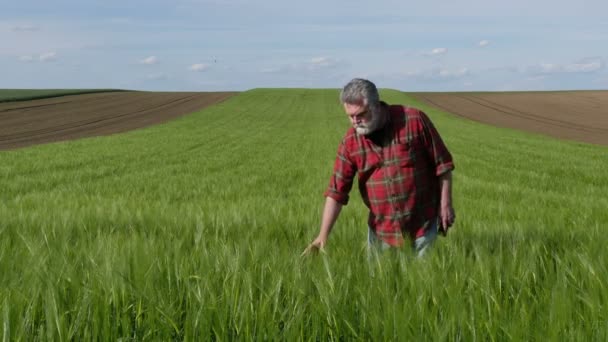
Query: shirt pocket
point(406, 153)
point(370, 162)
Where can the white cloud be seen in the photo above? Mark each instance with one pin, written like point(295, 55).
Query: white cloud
point(438, 51)
point(43, 57)
point(158, 77)
point(584, 66)
point(149, 60)
point(474, 8)
point(25, 28)
point(589, 66)
point(199, 67)
point(536, 78)
point(313, 64)
point(317, 63)
point(26, 58)
point(438, 74)
point(484, 43)
point(320, 60)
point(549, 68)
point(48, 56)
point(445, 73)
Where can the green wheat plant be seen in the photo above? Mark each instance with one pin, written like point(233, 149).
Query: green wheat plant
point(192, 230)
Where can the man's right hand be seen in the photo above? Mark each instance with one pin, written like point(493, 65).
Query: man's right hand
point(317, 245)
point(331, 210)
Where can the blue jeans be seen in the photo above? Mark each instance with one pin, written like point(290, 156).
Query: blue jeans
point(420, 246)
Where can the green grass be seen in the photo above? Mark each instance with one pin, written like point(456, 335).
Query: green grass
point(193, 230)
point(10, 95)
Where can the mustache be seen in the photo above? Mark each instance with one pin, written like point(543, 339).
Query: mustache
point(375, 119)
point(375, 122)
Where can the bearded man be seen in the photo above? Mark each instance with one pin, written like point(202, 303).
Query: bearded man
point(404, 173)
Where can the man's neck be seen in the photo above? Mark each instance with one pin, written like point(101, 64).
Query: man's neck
point(384, 114)
point(379, 136)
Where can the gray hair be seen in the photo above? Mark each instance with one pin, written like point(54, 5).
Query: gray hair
point(360, 90)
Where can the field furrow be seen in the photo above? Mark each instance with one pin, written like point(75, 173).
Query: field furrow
point(579, 116)
point(77, 116)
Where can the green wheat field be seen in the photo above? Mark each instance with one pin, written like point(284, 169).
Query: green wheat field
point(193, 230)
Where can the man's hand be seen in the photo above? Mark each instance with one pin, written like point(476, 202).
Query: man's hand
point(331, 210)
point(446, 211)
point(316, 246)
point(446, 218)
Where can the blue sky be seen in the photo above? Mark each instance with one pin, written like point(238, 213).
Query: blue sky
point(214, 45)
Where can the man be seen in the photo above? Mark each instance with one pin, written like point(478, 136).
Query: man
point(404, 172)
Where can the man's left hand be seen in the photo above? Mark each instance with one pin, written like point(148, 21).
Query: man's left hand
point(446, 218)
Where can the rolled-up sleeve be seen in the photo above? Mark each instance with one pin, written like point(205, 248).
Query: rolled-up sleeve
point(341, 180)
point(435, 147)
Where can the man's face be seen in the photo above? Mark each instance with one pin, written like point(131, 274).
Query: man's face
point(362, 118)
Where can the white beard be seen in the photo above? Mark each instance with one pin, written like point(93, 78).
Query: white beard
point(363, 129)
point(371, 126)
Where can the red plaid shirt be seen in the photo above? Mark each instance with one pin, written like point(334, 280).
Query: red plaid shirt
point(398, 168)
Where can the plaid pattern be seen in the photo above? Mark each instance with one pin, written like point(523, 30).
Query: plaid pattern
point(398, 168)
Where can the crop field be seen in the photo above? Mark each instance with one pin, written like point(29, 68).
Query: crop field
point(62, 117)
point(572, 115)
point(9, 95)
point(193, 230)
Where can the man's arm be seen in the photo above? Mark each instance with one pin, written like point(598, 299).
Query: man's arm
point(336, 194)
point(331, 211)
point(446, 210)
point(442, 159)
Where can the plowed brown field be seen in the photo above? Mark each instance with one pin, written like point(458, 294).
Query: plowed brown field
point(26, 123)
point(576, 115)
point(572, 115)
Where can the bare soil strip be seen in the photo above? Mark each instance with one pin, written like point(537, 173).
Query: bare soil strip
point(26, 123)
point(572, 115)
